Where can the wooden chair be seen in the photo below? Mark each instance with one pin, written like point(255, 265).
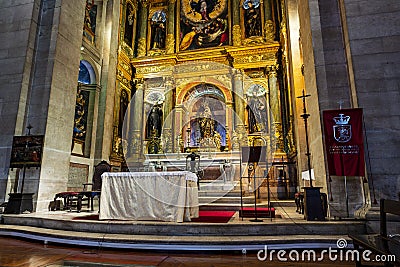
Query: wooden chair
point(76, 199)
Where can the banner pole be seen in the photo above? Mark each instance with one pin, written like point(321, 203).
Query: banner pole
point(347, 196)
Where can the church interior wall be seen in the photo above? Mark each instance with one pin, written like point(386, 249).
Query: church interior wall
point(365, 78)
point(374, 35)
point(276, 62)
point(104, 137)
point(57, 151)
point(326, 80)
point(17, 35)
point(296, 80)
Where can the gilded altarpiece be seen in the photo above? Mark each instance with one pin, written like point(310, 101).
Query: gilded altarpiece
point(208, 94)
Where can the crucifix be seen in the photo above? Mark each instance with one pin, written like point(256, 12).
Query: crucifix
point(305, 117)
point(340, 102)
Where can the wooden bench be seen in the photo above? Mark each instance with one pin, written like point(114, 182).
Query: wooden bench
point(78, 199)
point(381, 244)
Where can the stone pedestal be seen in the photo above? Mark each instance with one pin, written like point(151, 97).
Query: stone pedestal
point(347, 196)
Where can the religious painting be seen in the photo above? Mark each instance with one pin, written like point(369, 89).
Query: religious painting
point(89, 29)
point(252, 18)
point(158, 30)
point(204, 23)
point(27, 151)
point(257, 109)
point(129, 19)
point(81, 113)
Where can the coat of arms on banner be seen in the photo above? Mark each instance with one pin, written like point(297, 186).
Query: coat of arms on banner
point(342, 129)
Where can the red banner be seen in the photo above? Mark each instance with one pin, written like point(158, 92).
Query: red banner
point(344, 142)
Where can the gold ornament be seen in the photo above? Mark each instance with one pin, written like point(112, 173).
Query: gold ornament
point(142, 47)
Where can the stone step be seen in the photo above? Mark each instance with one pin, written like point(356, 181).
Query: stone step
point(283, 203)
point(225, 206)
point(255, 240)
point(52, 222)
point(219, 193)
point(225, 199)
point(213, 186)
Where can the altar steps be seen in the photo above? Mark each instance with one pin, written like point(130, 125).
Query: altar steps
point(238, 234)
point(64, 220)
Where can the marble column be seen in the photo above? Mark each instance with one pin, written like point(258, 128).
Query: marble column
point(141, 50)
point(269, 28)
point(170, 39)
point(236, 31)
point(168, 116)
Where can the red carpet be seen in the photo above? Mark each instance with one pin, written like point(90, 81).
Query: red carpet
point(214, 216)
point(217, 216)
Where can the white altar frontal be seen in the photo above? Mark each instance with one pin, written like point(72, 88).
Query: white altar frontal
point(157, 196)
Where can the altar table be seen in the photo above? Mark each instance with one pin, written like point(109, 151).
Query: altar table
point(159, 196)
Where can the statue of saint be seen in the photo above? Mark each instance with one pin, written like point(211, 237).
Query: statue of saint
point(257, 109)
point(252, 18)
point(129, 19)
point(154, 121)
point(206, 122)
point(158, 30)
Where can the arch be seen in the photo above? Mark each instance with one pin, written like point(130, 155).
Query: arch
point(227, 93)
point(87, 73)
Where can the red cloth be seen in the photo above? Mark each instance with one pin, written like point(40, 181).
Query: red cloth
point(344, 142)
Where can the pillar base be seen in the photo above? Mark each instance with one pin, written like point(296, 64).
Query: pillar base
point(19, 203)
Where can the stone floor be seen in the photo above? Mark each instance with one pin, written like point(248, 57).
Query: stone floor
point(21, 253)
point(288, 230)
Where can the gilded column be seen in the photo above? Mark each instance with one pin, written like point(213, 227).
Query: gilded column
point(275, 108)
point(269, 28)
point(136, 125)
point(168, 116)
point(143, 28)
point(236, 32)
point(239, 101)
point(135, 22)
point(170, 40)
point(228, 124)
point(178, 129)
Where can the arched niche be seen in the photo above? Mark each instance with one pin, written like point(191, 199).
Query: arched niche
point(205, 117)
point(87, 74)
point(84, 107)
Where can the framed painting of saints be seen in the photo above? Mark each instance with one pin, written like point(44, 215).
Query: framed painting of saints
point(203, 24)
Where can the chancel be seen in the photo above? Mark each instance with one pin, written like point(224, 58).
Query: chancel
point(171, 93)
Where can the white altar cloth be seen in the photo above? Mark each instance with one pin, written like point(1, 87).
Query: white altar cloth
point(160, 196)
